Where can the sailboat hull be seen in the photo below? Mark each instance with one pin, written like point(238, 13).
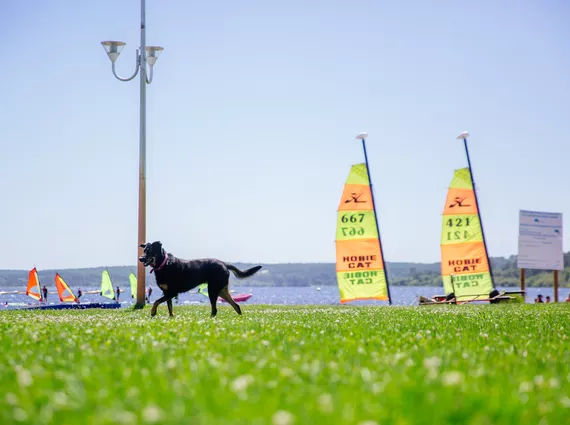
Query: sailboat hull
point(75, 306)
point(494, 298)
point(238, 298)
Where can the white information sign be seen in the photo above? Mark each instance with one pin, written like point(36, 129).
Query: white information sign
point(540, 241)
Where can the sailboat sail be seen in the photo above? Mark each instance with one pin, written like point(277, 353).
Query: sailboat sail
point(464, 260)
point(107, 286)
point(359, 264)
point(33, 290)
point(133, 282)
point(62, 288)
point(203, 289)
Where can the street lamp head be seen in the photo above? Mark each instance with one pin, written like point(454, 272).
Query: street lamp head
point(463, 135)
point(113, 49)
point(152, 54)
point(362, 136)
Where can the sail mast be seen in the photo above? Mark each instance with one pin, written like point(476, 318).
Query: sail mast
point(464, 136)
point(39, 285)
point(363, 136)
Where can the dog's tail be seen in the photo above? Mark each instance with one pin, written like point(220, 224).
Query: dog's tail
point(241, 274)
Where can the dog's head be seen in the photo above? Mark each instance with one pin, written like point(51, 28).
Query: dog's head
point(153, 253)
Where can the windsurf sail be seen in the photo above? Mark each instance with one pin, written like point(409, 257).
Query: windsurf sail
point(33, 290)
point(359, 263)
point(133, 282)
point(62, 289)
point(203, 289)
point(464, 261)
point(107, 285)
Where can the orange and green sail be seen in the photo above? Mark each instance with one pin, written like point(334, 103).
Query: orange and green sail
point(359, 263)
point(464, 260)
point(65, 294)
point(33, 290)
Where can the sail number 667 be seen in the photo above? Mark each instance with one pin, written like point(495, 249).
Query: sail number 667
point(352, 218)
point(352, 231)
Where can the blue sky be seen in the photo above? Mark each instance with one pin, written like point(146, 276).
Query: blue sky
point(251, 122)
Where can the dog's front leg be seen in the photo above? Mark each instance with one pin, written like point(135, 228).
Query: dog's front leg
point(155, 305)
point(169, 304)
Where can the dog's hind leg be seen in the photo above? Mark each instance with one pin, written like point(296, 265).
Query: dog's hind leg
point(225, 294)
point(169, 304)
point(156, 304)
point(213, 295)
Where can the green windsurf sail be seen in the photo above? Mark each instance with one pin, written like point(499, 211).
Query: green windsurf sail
point(107, 286)
point(133, 281)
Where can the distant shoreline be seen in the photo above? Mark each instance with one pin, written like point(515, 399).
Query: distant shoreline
point(400, 274)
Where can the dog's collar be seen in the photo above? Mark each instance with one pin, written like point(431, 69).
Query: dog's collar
point(161, 265)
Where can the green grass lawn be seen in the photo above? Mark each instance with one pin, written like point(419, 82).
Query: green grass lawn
point(486, 364)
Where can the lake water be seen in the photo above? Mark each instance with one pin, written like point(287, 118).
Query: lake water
point(328, 295)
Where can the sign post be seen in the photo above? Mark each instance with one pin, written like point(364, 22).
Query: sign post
point(555, 286)
point(540, 244)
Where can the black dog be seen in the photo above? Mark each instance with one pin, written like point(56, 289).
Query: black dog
point(174, 276)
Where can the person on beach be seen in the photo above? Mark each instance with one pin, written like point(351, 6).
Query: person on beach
point(118, 293)
point(79, 293)
point(548, 298)
point(149, 293)
point(45, 292)
point(538, 299)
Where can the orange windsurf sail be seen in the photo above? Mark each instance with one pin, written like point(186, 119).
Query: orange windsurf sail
point(62, 288)
point(33, 290)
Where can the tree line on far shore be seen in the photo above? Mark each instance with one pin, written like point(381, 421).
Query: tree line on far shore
point(505, 273)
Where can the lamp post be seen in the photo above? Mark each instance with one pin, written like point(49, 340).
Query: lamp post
point(145, 55)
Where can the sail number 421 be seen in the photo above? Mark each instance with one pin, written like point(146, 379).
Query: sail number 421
point(458, 222)
point(458, 235)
